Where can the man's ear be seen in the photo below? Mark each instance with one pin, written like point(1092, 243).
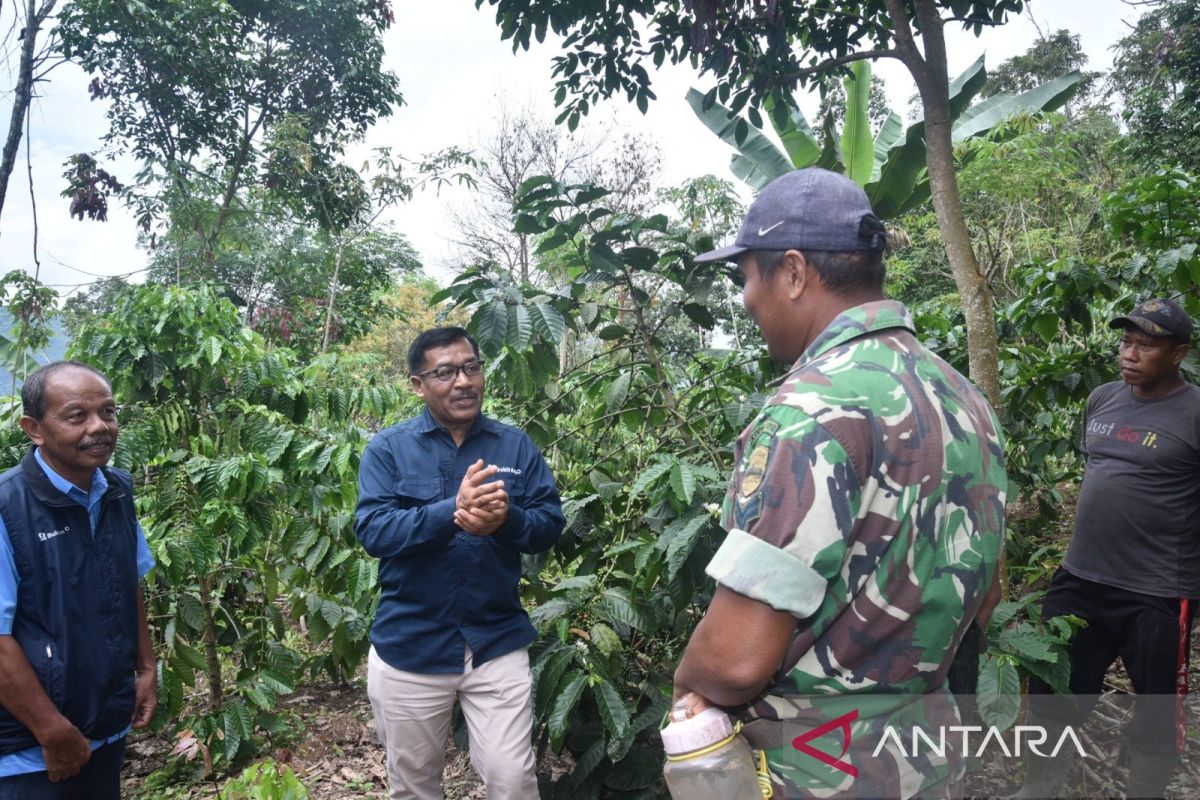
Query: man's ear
point(33, 429)
point(1181, 351)
point(796, 272)
point(418, 386)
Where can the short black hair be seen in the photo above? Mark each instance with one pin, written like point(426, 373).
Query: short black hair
point(435, 337)
point(33, 391)
point(843, 272)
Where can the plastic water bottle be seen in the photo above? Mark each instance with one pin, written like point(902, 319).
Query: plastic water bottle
point(708, 760)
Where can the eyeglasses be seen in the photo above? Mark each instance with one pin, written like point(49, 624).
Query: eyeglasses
point(447, 373)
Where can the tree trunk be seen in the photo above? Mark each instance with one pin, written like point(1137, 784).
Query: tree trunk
point(975, 294)
point(23, 92)
point(973, 289)
point(216, 694)
point(333, 285)
point(523, 255)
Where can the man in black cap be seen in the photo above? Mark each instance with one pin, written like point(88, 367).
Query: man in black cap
point(1132, 571)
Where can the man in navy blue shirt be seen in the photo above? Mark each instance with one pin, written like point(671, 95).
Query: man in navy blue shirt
point(448, 501)
point(73, 630)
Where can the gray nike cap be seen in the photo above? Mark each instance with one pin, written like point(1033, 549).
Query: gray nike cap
point(807, 209)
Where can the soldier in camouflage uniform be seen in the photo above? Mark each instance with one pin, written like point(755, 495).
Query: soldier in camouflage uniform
point(865, 515)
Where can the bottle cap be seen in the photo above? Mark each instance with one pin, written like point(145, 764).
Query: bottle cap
point(708, 727)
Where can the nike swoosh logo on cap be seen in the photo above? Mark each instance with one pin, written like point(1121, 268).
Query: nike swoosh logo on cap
point(769, 228)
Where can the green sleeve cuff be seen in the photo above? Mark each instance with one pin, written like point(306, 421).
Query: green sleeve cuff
point(763, 572)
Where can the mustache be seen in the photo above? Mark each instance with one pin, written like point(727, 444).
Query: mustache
point(467, 395)
point(95, 442)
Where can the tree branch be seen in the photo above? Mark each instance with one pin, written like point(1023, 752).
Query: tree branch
point(991, 24)
point(906, 44)
point(42, 75)
point(865, 55)
point(44, 11)
point(933, 33)
point(37, 264)
point(235, 173)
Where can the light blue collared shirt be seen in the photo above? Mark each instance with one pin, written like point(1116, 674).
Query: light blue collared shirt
point(31, 760)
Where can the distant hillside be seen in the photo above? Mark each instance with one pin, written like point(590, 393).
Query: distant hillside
point(57, 349)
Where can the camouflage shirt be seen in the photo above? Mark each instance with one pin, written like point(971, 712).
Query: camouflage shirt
point(867, 501)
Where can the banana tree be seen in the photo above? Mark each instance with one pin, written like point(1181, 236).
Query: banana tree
point(889, 165)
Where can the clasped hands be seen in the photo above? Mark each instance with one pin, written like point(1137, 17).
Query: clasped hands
point(481, 505)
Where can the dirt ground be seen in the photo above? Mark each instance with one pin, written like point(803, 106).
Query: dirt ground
point(337, 757)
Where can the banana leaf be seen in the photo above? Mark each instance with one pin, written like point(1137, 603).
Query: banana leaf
point(894, 171)
point(798, 138)
point(889, 134)
point(758, 161)
point(964, 87)
point(858, 147)
point(987, 114)
point(831, 153)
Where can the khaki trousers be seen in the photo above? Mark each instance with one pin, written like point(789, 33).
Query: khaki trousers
point(412, 715)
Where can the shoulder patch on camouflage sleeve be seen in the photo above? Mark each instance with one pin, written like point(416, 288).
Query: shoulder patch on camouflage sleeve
point(754, 471)
point(767, 429)
point(753, 468)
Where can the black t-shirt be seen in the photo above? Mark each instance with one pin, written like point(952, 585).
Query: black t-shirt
point(1138, 522)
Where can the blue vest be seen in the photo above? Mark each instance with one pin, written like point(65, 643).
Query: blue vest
point(76, 617)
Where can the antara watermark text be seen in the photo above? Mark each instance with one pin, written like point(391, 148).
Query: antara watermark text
point(1026, 738)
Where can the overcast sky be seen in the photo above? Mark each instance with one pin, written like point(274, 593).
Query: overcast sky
point(452, 67)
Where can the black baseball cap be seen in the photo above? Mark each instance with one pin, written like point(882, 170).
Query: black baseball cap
point(1159, 317)
point(806, 209)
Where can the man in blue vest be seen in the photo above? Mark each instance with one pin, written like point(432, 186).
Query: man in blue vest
point(77, 670)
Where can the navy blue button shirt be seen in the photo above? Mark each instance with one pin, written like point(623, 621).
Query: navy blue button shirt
point(444, 588)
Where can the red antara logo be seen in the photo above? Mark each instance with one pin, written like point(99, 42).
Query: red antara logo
point(842, 723)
